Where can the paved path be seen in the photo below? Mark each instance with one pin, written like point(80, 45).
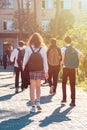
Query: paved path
point(14, 108)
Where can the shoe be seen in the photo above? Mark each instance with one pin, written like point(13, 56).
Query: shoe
point(38, 105)
point(22, 89)
point(72, 104)
point(51, 90)
point(33, 109)
point(39, 108)
point(63, 101)
point(44, 83)
point(16, 90)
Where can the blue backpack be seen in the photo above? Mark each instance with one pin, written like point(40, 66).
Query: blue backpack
point(71, 59)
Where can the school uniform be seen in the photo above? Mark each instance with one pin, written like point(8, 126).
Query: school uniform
point(36, 74)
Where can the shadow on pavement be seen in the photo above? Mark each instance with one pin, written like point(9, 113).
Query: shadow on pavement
point(6, 85)
point(7, 77)
point(56, 116)
point(6, 97)
point(8, 69)
point(44, 100)
point(18, 123)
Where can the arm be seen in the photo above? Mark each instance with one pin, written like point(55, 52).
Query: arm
point(13, 56)
point(45, 63)
point(63, 55)
point(26, 57)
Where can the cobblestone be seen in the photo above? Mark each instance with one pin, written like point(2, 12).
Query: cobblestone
point(15, 115)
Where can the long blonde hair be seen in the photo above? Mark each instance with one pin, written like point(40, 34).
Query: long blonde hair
point(36, 40)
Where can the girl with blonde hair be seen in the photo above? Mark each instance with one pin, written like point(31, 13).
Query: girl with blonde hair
point(36, 43)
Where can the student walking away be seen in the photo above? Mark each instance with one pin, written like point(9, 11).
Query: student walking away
point(5, 60)
point(17, 58)
point(35, 56)
point(70, 61)
point(54, 59)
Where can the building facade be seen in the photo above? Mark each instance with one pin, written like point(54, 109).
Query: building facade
point(44, 11)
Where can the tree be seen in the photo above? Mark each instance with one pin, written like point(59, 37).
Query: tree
point(65, 20)
point(25, 20)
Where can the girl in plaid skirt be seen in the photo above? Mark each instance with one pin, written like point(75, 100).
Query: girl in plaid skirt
point(36, 42)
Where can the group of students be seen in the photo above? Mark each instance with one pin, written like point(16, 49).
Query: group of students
point(47, 71)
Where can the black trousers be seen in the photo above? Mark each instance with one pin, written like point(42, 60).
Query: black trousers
point(17, 73)
point(71, 74)
point(53, 76)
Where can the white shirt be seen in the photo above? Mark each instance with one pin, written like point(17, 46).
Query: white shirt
point(14, 55)
point(64, 49)
point(43, 52)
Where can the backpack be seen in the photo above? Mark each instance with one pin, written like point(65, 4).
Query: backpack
point(20, 57)
point(53, 56)
point(35, 62)
point(71, 59)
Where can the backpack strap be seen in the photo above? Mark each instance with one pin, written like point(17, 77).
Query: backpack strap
point(34, 51)
point(18, 49)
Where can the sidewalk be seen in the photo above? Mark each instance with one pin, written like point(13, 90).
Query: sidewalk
point(14, 108)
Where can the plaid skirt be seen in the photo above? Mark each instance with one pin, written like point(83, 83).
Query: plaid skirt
point(37, 75)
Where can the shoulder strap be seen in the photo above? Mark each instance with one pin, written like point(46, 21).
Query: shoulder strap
point(39, 49)
point(18, 49)
point(33, 50)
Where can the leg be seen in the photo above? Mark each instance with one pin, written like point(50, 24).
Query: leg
point(16, 78)
point(38, 92)
point(38, 84)
point(22, 80)
point(50, 72)
point(72, 77)
point(64, 81)
point(55, 77)
point(32, 91)
point(50, 76)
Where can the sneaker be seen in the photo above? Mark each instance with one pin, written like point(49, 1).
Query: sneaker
point(38, 105)
point(44, 83)
point(63, 101)
point(51, 90)
point(72, 104)
point(16, 90)
point(33, 109)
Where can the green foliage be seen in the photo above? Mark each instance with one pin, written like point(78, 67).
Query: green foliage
point(61, 23)
point(27, 23)
point(83, 84)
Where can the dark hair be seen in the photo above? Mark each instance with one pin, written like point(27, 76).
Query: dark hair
point(21, 43)
point(53, 40)
point(67, 39)
point(36, 39)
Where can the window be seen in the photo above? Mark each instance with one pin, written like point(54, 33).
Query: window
point(66, 4)
point(8, 25)
point(8, 3)
point(45, 24)
point(43, 4)
point(83, 4)
point(47, 4)
point(27, 3)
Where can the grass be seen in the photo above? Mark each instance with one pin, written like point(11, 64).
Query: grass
point(83, 85)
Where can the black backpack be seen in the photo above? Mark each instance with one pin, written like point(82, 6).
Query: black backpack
point(20, 57)
point(35, 62)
